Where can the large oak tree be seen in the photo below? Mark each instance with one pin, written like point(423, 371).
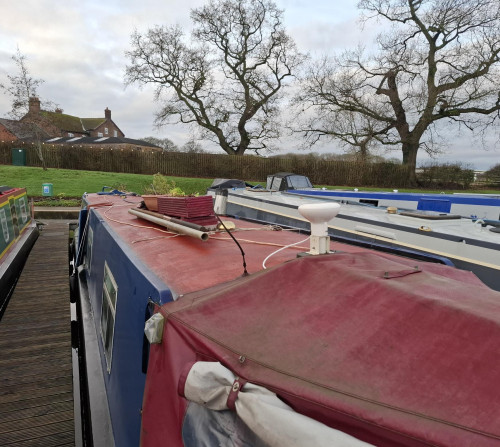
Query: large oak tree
point(436, 60)
point(228, 80)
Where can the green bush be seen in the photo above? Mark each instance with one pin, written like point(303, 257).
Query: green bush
point(163, 186)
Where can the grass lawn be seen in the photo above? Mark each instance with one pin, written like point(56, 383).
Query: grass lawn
point(75, 183)
point(72, 184)
point(68, 184)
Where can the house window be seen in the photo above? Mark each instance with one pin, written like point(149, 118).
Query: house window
point(115, 133)
point(108, 314)
point(99, 134)
point(105, 131)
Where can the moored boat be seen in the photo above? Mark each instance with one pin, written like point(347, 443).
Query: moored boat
point(470, 245)
point(18, 234)
point(473, 206)
point(254, 345)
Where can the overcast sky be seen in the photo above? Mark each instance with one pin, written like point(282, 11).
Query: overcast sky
point(78, 48)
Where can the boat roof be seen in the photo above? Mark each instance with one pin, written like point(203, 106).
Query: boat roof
point(453, 227)
point(7, 192)
point(283, 174)
point(177, 259)
point(391, 354)
point(4, 189)
point(221, 183)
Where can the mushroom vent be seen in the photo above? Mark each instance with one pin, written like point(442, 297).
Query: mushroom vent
point(319, 214)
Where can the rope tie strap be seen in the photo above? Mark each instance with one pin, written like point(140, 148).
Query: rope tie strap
point(238, 385)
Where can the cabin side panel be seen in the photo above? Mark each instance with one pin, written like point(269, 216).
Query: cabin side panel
point(120, 293)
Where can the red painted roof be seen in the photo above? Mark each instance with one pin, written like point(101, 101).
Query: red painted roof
point(179, 259)
point(10, 192)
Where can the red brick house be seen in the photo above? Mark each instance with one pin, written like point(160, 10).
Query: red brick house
point(12, 130)
point(57, 128)
point(6, 131)
point(59, 124)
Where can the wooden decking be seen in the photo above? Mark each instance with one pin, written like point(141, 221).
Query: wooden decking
point(36, 389)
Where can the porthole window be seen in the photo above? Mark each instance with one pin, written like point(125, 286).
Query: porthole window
point(108, 314)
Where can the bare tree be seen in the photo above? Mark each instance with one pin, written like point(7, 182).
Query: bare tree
point(165, 143)
point(21, 86)
point(192, 147)
point(229, 82)
point(439, 60)
point(318, 117)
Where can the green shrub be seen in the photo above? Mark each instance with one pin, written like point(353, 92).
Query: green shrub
point(161, 185)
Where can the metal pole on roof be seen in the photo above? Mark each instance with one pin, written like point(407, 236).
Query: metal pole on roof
point(181, 229)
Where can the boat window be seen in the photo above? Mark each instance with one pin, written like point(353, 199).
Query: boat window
point(88, 251)
point(5, 225)
point(13, 213)
point(108, 313)
point(269, 181)
point(369, 202)
point(22, 207)
point(276, 183)
point(298, 182)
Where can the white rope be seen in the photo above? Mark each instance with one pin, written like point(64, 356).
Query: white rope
point(282, 248)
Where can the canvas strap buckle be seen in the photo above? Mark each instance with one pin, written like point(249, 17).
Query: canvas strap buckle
point(238, 385)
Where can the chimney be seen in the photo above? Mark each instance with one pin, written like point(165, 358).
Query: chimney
point(107, 113)
point(34, 105)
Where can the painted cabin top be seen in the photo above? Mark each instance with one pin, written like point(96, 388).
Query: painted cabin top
point(177, 259)
point(14, 216)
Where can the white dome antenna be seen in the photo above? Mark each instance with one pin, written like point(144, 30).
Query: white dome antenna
point(319, 214)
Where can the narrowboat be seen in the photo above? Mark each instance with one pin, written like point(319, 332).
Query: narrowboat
point(18, 234)
point(258, 335)
point(473, 206)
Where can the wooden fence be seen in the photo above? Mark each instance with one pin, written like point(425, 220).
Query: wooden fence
point(252, 168)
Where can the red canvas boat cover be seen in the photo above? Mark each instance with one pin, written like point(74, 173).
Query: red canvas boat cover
point(363, 343)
